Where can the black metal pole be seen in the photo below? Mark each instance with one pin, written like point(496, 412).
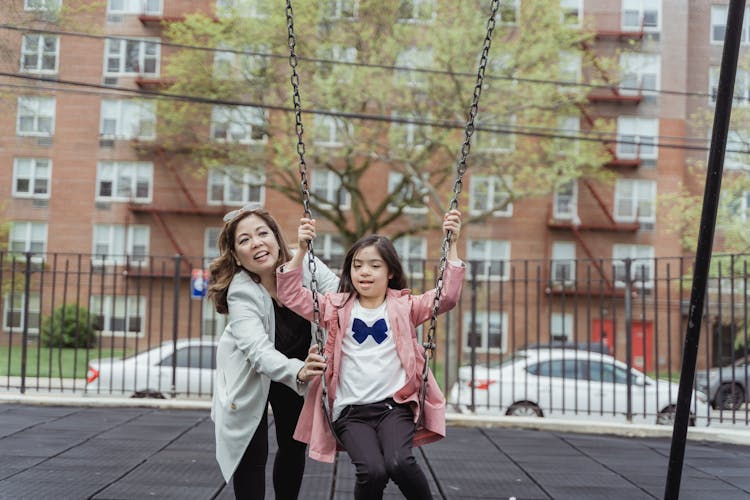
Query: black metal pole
point(175, 320)
point(722, 114)
point(629, 335)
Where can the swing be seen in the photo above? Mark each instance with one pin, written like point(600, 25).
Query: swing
point(429, 344)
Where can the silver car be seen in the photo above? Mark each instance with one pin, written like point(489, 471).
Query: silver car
point(726, 386)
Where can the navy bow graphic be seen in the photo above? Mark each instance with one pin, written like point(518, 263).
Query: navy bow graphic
point(361, 330)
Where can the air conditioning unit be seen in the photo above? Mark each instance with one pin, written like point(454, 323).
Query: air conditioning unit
point(103, 205)
point(40, 203)
point(106, 142)
point(114, 18)
point(44, 141)
point(110, 80)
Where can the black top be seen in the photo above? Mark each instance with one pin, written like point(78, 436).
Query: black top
point(293, 335)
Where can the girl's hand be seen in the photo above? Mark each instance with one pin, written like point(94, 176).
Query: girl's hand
point(314, 366)
point(305, 233)
point(452, 223)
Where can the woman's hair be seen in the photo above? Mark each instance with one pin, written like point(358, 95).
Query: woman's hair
point(387, 252)
point(225, 266)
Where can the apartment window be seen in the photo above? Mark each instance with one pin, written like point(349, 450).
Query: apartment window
point(407, 193)
point(119, 243)
point(326, 189)
point(563, 265)
point(330, 248)
point(492, 258)
point(571, 12)
point(340, 9)
point(719, 24)
point(490, 193)
point(41, 5)
point(639, 73)
point(641, 14)
point(235, 186)
point(128, 119)
point(641, 267)
point(330, 131)
point(498, 139)
point(416, 11)
point(565, 202)
point(635, 199)
point(570, 128)
point(28, 237)
point(247, 65)
point(153, 7)
point(571, 66)
point(40, 53)
point(486, 331)
point(119, 316)
point(637, 137)
point(210, 245)
point(15, 307)
point(31, 177)
point(244, 125)
point(561, 326)
point(257, 9)
point(36, 116)
point(508, 11)
point(124, 181)
point(333, 61)
point(406, 134)
point(409, 61)
point(741, 86)
point(132, 56)
point(740, 206)
point(212, 323)
point(737, 151)
point(413, 253)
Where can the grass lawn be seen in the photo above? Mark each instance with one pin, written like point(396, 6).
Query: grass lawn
point(45, 362)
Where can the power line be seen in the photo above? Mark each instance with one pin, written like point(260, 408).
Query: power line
point(367, 65)
point(528, 131)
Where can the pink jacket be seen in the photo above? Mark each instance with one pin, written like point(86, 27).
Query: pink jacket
point(405, 311)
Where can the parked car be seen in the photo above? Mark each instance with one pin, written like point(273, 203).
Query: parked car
point(726, 386)
point(569, 383)
point(150, 373)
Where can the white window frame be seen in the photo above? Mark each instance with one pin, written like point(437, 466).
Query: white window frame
point(566, 195)
point(484, 321)
point(487, 141)
point(249, 9)
point(28, 236)
point(641, 135)
point(569, 126)
point(239, 124)
point(37, 109)
point(394, 179)
point(41, 5)
point(407, 135)
point(561, 326)
point(570, 9)
point(417, 15)
point(341, 10)
point(741, 96)
point(115, 49)
point(239, 186)
point(329, 66)
point(119, 307)
point(150, 7)
point(638, 9)
point(326, 185)
point(413, 253)
point(643, 260)
point(39, 53)
point(492, 257)
point(489, 190)
point(331, 249)
point(128, 119)
point(636, 68)
point(507, 6)
point(563, 263)
point(37, 172)
point(18, 301)
point(631, 197)
point(719, 25)
point(330, 131)
point(743, 207)
point(240, 65)
point(570, 66)
point(737, 149)
point(408, 63)
point(125, 179)
point(121, 241)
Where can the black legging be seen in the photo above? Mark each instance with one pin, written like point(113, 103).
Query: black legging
point(249, 480)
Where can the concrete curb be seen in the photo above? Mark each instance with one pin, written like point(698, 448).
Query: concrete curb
point(720, 435)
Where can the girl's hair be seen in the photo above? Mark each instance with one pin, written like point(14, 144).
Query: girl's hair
point(387, 252)
point(225, 266)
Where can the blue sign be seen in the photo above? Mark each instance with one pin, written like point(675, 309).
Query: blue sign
point(198, 283)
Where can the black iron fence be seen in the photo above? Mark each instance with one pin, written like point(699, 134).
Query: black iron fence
point(547, 338)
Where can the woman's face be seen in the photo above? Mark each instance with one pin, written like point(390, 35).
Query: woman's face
point(370, 276)
point(256, 246)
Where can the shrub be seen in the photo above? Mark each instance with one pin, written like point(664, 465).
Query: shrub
point(69, 326)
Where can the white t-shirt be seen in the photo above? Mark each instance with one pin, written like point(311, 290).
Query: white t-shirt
point(371, 370)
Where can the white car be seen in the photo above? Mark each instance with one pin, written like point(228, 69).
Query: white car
point(158, 372)
point(567, 383)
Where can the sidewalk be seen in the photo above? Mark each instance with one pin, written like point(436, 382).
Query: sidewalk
point(95, 448)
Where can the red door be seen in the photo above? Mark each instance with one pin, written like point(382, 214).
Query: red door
point(643, 338)
point(604, 330)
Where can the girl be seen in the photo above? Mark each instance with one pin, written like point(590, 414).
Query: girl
point(375, 363)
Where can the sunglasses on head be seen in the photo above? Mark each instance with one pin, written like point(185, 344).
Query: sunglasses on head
point(250, 207)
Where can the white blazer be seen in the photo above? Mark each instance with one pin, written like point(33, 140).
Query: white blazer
point(246, 362)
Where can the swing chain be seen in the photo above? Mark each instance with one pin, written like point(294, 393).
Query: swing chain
point(299, 129)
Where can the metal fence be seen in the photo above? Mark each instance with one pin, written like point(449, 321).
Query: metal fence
point(547, 338)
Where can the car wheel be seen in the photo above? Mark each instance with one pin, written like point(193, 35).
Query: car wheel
point(729, 397)
point(148, 393)
point(524, 409)
point(667, 416)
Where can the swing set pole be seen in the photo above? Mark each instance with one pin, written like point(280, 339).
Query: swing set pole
point(722, 114)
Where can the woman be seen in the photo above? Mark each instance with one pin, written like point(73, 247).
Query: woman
point(259, 359)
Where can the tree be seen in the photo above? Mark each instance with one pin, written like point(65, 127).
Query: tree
point(365, 119)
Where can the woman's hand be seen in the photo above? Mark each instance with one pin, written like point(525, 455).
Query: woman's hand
point(314, 366)
point(452, 223)
point(305, 233)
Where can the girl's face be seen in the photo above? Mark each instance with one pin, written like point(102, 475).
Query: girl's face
point(255, 246)
point(370, 276)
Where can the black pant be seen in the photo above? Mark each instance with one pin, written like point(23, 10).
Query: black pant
point(249, 480)
point(378, 438)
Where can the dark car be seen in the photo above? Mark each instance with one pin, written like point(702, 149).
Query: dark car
point(727, 386)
